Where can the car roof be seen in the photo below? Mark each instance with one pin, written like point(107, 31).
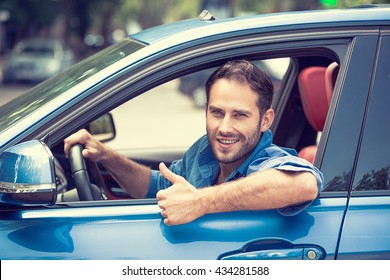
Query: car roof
point(200, 27)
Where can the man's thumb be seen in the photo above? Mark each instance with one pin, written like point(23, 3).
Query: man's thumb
point(168, 174)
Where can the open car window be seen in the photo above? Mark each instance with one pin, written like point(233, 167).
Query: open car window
point(161, 124)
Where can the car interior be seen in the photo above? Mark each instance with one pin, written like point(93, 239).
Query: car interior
point(303, 95)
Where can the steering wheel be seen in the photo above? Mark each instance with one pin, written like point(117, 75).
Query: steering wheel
point(86, 191)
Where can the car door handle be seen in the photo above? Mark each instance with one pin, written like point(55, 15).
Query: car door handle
point(281, 249)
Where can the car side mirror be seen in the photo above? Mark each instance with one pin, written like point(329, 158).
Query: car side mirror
point(103, 128)
point(27, 175)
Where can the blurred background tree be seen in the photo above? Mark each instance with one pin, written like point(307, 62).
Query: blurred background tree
point(89, 25)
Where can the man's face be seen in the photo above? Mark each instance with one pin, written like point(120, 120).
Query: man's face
point(232, 121)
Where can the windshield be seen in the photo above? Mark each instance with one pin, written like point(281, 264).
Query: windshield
point(45, 92)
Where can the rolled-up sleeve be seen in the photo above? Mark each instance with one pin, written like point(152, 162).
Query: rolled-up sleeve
point(153, 186)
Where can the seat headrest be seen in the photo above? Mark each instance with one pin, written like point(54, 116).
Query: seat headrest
point(311, 84)
point(330, 79)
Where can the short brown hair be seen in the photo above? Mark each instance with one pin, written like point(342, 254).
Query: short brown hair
point(245, 73)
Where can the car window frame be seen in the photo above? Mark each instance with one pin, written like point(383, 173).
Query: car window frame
point(378, 83)
point(345, 99)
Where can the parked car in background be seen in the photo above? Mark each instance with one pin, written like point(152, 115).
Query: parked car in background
point(331, 106)
point(35, 60)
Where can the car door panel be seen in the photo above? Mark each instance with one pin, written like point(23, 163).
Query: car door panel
point(137, 232)
point(366, 232)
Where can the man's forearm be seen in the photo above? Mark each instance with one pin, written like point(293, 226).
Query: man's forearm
point(257, 192)
point(131, 176)
point(270, 189)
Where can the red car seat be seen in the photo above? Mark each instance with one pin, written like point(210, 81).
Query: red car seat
point(311, 84)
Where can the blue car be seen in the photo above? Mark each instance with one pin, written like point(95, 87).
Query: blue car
point(331, 106)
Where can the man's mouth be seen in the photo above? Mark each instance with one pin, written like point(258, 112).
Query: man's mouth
point(227, 141)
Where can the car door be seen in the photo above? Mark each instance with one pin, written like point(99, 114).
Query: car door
point(133, 229)
point(366, 227)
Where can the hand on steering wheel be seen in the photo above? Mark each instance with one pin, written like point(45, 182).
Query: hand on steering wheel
point(79, 173)
point(86, 191)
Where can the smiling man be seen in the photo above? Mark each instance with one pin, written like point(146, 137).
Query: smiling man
point(234, 167)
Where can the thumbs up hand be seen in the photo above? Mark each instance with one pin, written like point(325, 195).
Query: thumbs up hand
point(180, 203)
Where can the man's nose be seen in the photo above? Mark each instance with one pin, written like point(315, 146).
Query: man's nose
point(226, 125)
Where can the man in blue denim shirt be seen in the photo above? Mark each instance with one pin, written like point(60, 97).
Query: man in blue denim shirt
point(234, 167)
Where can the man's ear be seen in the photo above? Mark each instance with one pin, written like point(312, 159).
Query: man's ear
point(268, 118)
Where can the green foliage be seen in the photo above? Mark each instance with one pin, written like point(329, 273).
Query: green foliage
point(30, 15)
point(329, 3)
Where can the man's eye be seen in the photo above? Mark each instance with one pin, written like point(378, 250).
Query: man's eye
point(217, 113)
point(241, 115)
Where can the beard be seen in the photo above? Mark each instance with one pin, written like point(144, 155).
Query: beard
point(239, 151)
